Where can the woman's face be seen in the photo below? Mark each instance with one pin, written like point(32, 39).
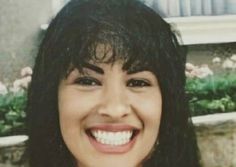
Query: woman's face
point(108, 116)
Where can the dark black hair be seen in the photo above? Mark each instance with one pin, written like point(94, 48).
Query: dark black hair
point(138, 36)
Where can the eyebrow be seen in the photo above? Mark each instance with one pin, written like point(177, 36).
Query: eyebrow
point(94, 68)
point(129, 71)
point(137, 69)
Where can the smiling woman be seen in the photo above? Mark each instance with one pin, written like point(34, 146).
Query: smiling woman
point(107, 111)
point(108, 90)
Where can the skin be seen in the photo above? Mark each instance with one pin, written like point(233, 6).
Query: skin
point(109, 95)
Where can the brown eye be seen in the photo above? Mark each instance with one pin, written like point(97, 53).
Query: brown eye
point(138, 83)
point(87, 81)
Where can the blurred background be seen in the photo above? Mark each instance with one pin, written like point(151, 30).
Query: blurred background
point(23, 22)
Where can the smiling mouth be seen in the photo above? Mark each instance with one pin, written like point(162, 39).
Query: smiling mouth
point(111, 138)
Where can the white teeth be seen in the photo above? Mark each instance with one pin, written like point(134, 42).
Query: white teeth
point(112, 138)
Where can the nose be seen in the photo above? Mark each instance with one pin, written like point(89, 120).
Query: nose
point(114, 104)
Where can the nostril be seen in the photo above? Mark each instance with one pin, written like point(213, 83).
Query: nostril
point(115, 111)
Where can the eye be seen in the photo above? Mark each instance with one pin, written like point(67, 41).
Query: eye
point(87, 81)
point(138, 83)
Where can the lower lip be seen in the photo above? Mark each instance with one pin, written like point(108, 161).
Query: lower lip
point(104, 148)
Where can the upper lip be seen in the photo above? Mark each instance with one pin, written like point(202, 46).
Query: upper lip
point(113, 127)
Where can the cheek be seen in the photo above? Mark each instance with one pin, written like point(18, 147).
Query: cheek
point(75, 105)
point(149, 107)
point(149, 110)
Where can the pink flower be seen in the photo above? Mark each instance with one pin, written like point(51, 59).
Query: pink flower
point(26, 71)
point(203, 71)
point(198, 72)
point(16, 86)
point(189, 67)
point(189, 75)
point(216, 60)
point(228, 64)
point(25, 82)
point(21, 83)
point(233, 57)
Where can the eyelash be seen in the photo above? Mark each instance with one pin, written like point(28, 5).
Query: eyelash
point(90, 81)
point(87, 81)
point(138, 83)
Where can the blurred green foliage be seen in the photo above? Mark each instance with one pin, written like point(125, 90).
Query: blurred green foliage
point(12, 113)
point(213, 94)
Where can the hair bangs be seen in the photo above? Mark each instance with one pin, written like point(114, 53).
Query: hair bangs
point(109, 45)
